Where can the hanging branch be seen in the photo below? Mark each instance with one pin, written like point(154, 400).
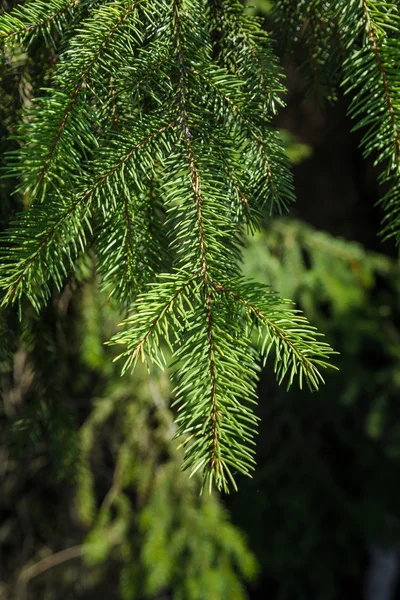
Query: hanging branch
point(164, 196)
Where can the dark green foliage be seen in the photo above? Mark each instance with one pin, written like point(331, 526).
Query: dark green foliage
point(312, 29)
point(372, 75)
point(354, 44)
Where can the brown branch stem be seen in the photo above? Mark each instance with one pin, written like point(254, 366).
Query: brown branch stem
point(50, 562)
point(198, 200)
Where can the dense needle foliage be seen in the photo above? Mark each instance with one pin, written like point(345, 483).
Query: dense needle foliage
point(154, 147)
point(140, 139)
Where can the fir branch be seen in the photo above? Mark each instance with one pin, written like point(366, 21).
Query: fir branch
point(149, 320)
point(125, 157)
point(287, 18)
point(42, 256)
point(17, 25)
point(214, 416)
point(314, 51)
point(314, 26)
point(84, 77)
point(214, 466)
point(124, 243)
point(287, 328)
point(49, 562)
point(56, 225)
point(191, 160)
point(122, 262)
point(54, 143)
point(98, 33)
point(74, 79)
point(232, 175)
point(280, 184)
point(198, 201)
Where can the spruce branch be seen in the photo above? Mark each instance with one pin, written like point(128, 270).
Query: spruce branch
point(214, 416)
point(57, 229)
point(233, 177)
point(214, 362)
point(286, 330)
point(245, 49)
point(124, 243)
point(23, 22)
point(280, 186)
point(62, 122)
point(164, 303)
point(41, 245)
point(372, 32)
point(155, 144)
point(372, 79)
point(215, 465)
point(143, 151)
point(313, 25)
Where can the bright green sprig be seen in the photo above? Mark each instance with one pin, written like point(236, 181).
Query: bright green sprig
point(44, 242)
point(60, 125)
point(209, 330)
point(283, 329)
point(41, 246)
point(158, 313)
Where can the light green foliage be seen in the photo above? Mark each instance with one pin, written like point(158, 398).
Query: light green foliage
point(296, 150)
point(154, 148)
point(314, 267)
point(35, 18)
point(260, 6)
point(185, 543)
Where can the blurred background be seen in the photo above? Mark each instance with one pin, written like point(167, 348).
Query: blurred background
point(93, 504)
